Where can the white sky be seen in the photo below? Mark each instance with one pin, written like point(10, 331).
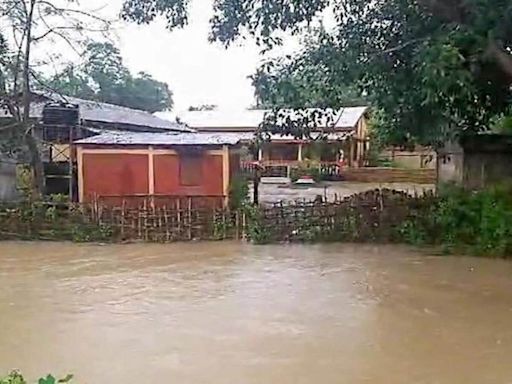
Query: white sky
point(197, 72)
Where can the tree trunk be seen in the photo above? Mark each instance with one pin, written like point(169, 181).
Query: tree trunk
point(31, 140)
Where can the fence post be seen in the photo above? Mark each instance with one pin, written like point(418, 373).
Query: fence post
point(244, 226)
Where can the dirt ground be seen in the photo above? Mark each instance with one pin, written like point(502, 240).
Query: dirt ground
point(271, 193)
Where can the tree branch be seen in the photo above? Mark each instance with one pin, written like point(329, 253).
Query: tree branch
point(76, 11)
point(402, 46)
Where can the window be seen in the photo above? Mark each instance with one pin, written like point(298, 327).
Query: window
point(191, 170)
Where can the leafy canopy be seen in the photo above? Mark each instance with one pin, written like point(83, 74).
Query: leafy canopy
point(310, 80)
point(434, 68)
point(104, 77)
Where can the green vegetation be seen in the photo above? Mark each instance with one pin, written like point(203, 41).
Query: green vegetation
point(104, 77)
point(257, 231)
point(502, 124)
point(50, 221)
point(17, 378)
point(433, 68)
point(307, 168)
point(465, 222)
point(457, 221)
point(238, 192)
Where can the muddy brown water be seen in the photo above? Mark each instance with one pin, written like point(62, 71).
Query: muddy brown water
point(233, 313)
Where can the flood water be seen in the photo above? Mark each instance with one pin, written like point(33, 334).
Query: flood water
point(234, 313)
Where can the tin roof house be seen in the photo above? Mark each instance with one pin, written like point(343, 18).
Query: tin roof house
point(344, 137)
point(102, 151)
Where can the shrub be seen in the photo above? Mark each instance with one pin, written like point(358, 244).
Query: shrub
point(17, 378)
point(307, 168)
point(238, 192)
point(476, 222)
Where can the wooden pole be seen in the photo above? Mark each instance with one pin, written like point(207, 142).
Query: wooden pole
point(189, 213)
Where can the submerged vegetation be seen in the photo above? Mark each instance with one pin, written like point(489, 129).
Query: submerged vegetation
point(456, 220)
point(17, 378)
point(52, 221)
point(461, 221)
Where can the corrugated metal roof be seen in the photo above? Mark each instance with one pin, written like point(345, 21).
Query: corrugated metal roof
point(276, 138)
point(93, 111)
point(156, 139)
point(251, 119)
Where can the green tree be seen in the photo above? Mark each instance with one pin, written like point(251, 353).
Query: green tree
point(104, 77)
point(435, 68)
point(31, 22)
point(309, 80)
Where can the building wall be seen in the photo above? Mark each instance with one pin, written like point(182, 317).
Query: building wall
point(129, 172)
point(167, 176)
point(487, 169)
point(115, 174)
point(450, 164)
point(359, 144)
point(419, 158)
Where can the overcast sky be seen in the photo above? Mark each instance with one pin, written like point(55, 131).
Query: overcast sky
point(198, 72)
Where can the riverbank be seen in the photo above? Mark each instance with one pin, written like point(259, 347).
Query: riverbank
point(370, 216)
point(457, 221)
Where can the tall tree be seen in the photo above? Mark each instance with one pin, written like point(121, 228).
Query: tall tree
point(309, 80)
point(31, 22)
point(435, 68)
point(103, 77)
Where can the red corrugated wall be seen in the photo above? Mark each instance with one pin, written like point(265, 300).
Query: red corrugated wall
point(125, 174)
point(167, 177)
point(115, 174)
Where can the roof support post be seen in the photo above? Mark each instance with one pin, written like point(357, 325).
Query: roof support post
point(151, 171)
point(80, 166)
point(226, 173)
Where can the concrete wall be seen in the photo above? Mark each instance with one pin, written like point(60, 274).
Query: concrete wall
point(450, 164)
point(480, 161)
point(487, 169)
point(390, 175)
point(8, 191)
point(421, 158)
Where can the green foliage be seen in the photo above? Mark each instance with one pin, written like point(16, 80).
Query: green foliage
point(238, 192)
point(51, 221)
point(434, 69)
point(307, 168)
point(462, 221)
point(16, 378)
point(257, 231)
point(104, 77)
point(232, 17)
point(13, 378)
point(305, 81)
point(502, 123)
point(86, 233)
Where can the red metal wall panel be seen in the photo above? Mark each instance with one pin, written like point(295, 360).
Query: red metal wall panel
point(167, 177)
point(115, 174)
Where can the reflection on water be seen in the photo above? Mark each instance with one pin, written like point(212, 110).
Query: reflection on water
point(233, 313)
